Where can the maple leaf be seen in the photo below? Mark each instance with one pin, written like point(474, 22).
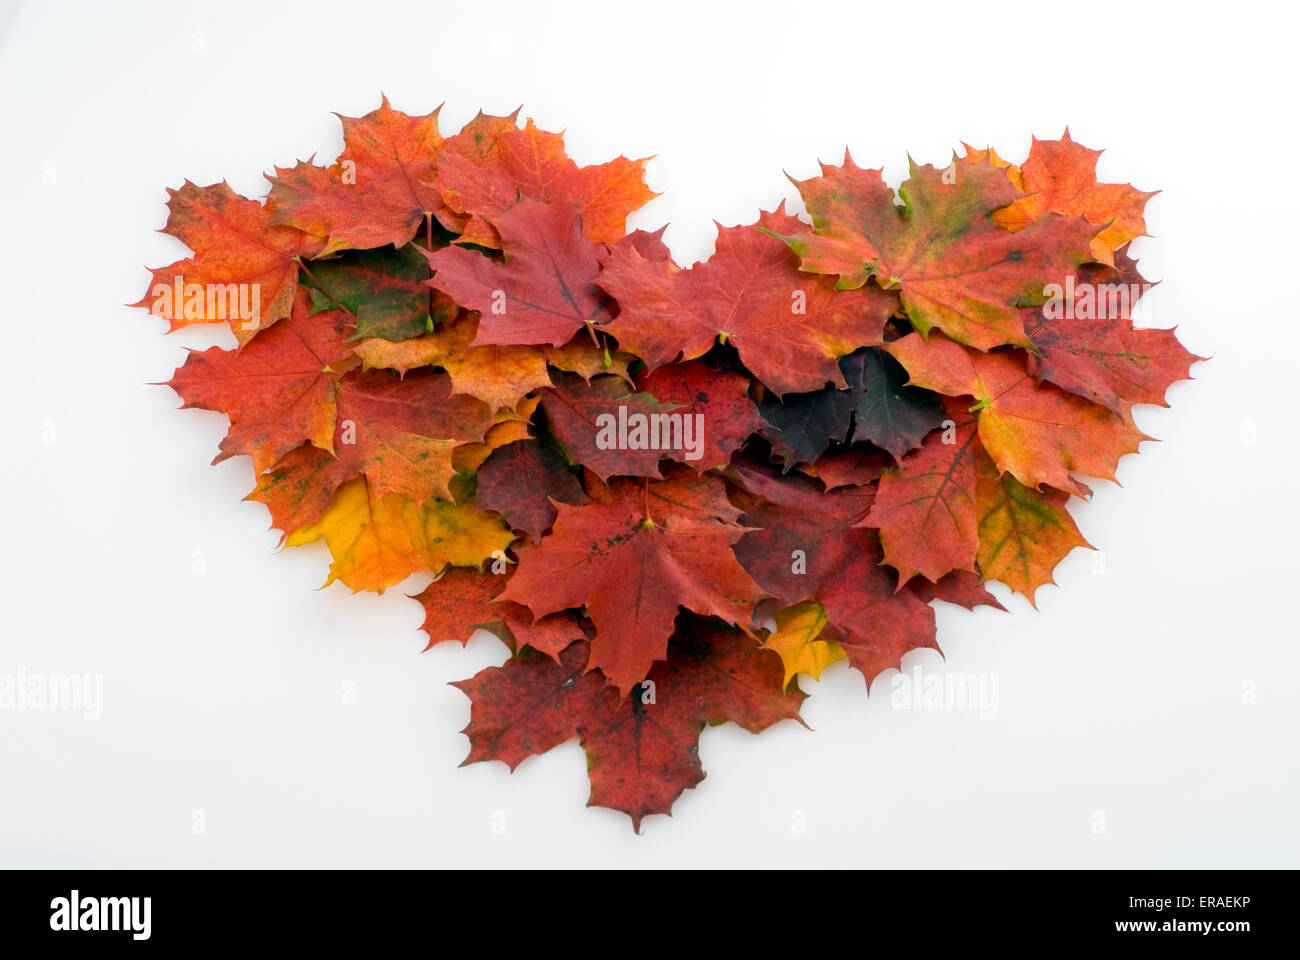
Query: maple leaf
point(542, 291)
point(800, 537)
point(803, 426)
point(279, 390)
point(632, 560)
point(1023, 533)
point(642, 751)
point(463, 600)
point(788, 328)
point(890, 414)
point(1096, 352)
point(808, 546)
point(876, 406)
point(378, 541)
point(953, 266)
point(795, 641)
point(236, 248)
point(377, 192)
point(925, 509)
point(484, 169)
point(386, 290)
point(297, 489)
point(401, 432)
point(586, 418)
point(520, 480)
point(718, 399)
point(961, 587)
point(1038, 432)
point(987, 155)
point(1060, 176)
point(853, 467)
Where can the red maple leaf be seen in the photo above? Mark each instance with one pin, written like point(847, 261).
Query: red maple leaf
point(1091, 348)
point(632, 559)
point(400, 431)
point(592, 419)
point(789, 328)
point(376, 193)
point(717, 399)
point(642, 751)
point(519, 481)
point(807, 546)
point(483, 170)
point(279, 391)
point(925, 509)
point(463, 600)
point(541, 291)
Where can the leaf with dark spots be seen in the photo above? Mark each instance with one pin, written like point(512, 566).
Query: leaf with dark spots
point(954, 267)
point(297, 489)
point(718, 400)
point(610, 428)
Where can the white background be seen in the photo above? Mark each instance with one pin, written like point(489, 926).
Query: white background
point(1122, 694)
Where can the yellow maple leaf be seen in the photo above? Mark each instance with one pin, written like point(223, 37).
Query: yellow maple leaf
point(1023, 532)
point(795, 641)
point(377, 542)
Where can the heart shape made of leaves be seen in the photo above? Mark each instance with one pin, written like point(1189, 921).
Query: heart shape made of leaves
point(668, 490)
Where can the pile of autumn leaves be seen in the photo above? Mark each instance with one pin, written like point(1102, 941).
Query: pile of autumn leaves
point(890, 415)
